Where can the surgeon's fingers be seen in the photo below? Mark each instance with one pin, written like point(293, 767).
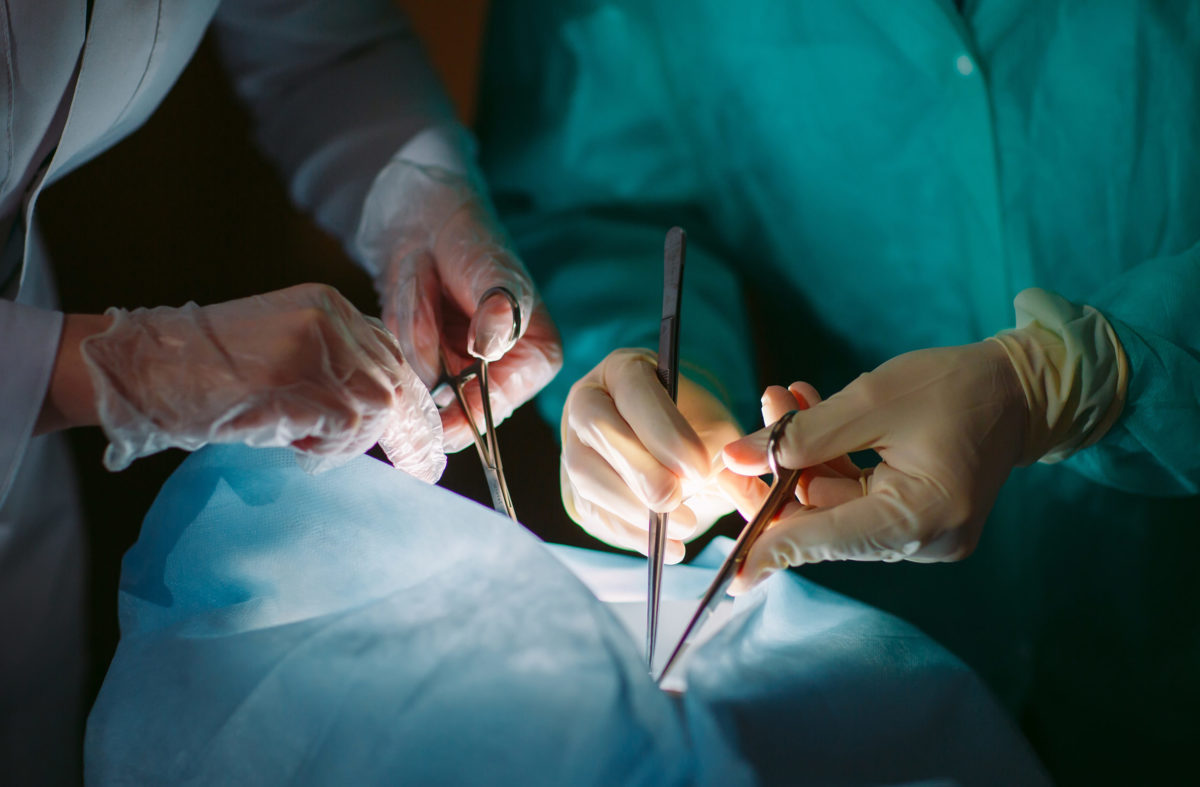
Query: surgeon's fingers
point(897, 520)
point(622, 416)
point(809, 395)
point(611, 529)
point(817, 486)
point(592, 416)
point(812, 536)
point(474, 259)
point(497, 324)
point(594, 480)
point(513, 380)
point(746, 492)
point(776, 402)
point(640, 398)
point(843, 423)
point(822, 486)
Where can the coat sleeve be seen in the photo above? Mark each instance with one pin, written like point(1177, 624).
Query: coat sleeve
point(335, 89)
point(1154, 447)
point(28, 346)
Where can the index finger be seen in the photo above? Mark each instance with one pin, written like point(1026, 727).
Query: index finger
point(894, 521)
point(646, 406)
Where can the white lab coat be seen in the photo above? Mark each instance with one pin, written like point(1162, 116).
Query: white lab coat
point(336, 88)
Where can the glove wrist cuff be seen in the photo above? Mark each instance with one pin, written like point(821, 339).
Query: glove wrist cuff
point(130, 434)
point(1072, 369)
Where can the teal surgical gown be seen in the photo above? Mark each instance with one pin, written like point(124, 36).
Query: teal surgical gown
point(860, 179)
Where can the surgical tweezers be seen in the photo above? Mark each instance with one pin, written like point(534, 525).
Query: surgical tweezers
point(674, 252)
point(485, 441)
point(783, 487)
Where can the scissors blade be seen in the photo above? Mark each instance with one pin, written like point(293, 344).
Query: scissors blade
point(782, 490)
point(674, 253)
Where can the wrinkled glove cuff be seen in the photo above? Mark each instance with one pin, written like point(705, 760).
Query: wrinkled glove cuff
point(1073, 371)
point(130, 433)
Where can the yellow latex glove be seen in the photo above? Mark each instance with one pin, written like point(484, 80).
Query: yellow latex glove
point(949, 425)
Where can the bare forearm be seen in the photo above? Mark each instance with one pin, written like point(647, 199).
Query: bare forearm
point(70, 400)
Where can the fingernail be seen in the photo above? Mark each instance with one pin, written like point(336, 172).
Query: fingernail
point(489, 344)
point(491, 332)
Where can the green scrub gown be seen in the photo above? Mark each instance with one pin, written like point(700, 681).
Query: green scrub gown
point(859, 179)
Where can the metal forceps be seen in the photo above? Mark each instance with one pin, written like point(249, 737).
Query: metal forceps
point(783, 487)
point(674, 252)
point(485, 441)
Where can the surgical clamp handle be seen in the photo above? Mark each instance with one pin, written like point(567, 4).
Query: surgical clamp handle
point(783, 487)
point(486, 443)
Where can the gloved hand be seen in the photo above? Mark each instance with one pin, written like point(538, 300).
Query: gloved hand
point(436, 247)
point(299, 367)
point(949, 425)
point(821, 485)
point(627, 449)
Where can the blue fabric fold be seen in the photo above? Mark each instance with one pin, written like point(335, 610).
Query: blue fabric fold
point(361, 627)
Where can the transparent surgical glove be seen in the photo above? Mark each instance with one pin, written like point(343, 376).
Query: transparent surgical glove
point(298, 367)
point(435, 247)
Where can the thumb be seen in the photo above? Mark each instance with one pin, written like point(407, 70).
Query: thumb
point(475, 261)
point(502, 315)
point(839, 425)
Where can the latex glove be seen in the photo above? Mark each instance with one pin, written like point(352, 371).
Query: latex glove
point(825, 484)
point(436, 247)
point(627, 450)
point(949, 425)
point(299, 367)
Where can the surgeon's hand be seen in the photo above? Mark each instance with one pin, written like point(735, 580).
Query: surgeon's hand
point(949, 425)
point(437, 248)
point(299, 367)
point(627, 450)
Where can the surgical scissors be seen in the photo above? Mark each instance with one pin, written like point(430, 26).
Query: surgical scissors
point(783, 487)
point(674, 252)
point(485, 441)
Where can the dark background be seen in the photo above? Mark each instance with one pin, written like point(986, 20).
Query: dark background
point(186, 209)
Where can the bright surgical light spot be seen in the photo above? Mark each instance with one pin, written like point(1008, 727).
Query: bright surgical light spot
point(964, 65)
